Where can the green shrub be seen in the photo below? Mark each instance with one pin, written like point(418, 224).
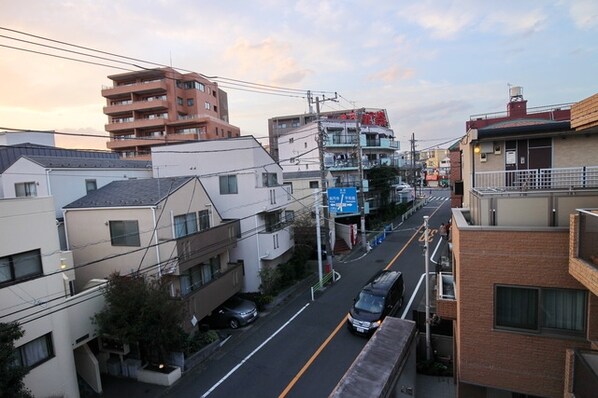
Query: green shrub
point(198, 341)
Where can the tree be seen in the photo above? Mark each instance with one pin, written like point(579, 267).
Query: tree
point(11, 376)
point(381, 179)
point(142, 311)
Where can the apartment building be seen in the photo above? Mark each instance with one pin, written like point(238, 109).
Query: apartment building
point(163, 228)
point(352, 144)
point(524, 311)
point(158, 106)
point(244, 184)
point(33, 289)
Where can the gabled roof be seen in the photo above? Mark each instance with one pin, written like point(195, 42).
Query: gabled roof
point(141, 192)
point(11, 153)
point(67, 162)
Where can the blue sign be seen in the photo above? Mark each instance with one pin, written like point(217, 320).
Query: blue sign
point(342, 200)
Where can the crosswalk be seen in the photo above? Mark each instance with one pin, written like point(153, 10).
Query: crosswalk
point(437, 198)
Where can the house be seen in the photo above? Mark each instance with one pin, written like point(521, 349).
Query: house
point(244, 184)
point(166, 228)
point(33, 291)
point(162, 105)
point(15, 149)
point(524, 308)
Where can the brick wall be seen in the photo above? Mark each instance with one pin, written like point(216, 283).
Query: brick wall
point(520, 362)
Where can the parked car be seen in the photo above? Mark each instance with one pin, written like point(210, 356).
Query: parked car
point(380, 297)
point(233, 313)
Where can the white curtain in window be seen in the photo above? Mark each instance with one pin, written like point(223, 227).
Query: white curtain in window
point(564, 309)
point(35, 351)
point(27, 264)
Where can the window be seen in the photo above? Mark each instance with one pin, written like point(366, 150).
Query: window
point(269, 179)
point(204, 220)
point(190, 102)
point(35, 352)
point(314, 184)
point(199, 275)
point(543, 310)
point(124, 233)
point(288, 186)
point(24, 189)
point(207, 105)
point(185, 224)
point(289, 216)
point(215, 108)
point(90, 185)
point(228, 184)
point(179, 101)
point(20, 266)
point(229, 134)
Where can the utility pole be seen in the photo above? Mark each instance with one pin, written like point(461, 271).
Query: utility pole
point(323, 183)
point(364, 242)
point(413, 167)
point(427, 271)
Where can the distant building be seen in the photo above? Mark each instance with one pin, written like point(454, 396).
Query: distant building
point(158, 106)
point(525, 298)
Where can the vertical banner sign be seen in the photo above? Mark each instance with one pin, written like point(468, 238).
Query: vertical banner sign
point(342, 200)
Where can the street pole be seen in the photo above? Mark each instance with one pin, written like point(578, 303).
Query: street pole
point(318, 235)
point(324, 187)
point(364, 243)
point(427, 270)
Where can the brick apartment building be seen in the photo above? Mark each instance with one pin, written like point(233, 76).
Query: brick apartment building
point(525, 313)
point(159, 106)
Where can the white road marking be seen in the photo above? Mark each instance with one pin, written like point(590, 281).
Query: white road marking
point(233, 370)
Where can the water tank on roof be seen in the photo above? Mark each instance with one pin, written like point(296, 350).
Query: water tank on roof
point(516, 93)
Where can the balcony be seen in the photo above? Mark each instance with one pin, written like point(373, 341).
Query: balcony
point(446, 304)
point(585, 374)
point(157, 86)
point(275, 242)
point(381, 143)
point(201, 246)
point(583, 262)
point(537, 179)
point(532, 198)
point(155, 105)
point(157, 123)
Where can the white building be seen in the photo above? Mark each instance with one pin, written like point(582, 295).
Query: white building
point(244, 183)
point(33, 291)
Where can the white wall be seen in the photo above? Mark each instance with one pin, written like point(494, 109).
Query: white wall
point(65, 185)
point(29, 224)
point(245, 158)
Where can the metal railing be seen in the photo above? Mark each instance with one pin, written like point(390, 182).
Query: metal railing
point(538, 179)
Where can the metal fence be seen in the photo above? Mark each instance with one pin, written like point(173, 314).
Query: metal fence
point(538, 179)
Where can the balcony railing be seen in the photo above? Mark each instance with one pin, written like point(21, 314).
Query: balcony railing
point(585, 377)
point(537, 179)
point(588, 236)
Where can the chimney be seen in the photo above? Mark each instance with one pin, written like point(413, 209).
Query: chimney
point(517, 106)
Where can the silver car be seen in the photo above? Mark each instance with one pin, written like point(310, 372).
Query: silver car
point(233, 313)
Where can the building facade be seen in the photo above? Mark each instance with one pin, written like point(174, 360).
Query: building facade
point(245, 184)
point(519, 312)
point(33, 293)
point(158, 106)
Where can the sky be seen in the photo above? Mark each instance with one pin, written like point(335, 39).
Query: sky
point(430, 64)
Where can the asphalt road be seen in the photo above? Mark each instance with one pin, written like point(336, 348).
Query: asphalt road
point(303, 348)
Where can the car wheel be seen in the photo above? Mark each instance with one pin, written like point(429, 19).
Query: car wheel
point(233, 323)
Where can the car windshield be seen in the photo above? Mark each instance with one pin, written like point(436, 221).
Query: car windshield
point(369, 302)
point(233, 303)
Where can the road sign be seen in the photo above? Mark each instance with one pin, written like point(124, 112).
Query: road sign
point(342, 200)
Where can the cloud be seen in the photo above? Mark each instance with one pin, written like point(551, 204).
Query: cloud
point(392, 74)
point(584, 13)
point(270, 59)
point(508, 22)
point(443, 22)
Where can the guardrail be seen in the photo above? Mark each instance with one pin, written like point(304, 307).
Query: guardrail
point(331, 276)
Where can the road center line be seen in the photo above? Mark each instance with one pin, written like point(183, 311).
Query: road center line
point(313, 358)
point(233, 370)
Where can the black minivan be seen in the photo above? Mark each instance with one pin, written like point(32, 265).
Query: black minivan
point(381, 296)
